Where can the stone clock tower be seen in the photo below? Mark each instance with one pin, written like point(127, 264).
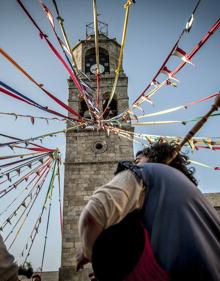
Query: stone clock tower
point(91, 155)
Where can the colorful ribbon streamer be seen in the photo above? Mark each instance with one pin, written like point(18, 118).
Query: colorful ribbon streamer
point(193, 52)
point(31, 117)
point(205, 165)
point(117, 71)
point(185, 106)
point(61, 22)
point(41, 87)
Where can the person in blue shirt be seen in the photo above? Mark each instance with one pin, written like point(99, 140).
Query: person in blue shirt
point(177, 231)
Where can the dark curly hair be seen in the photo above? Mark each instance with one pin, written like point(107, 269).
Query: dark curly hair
point(160, 152)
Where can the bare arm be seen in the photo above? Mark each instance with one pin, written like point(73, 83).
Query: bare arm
point(89, 230)
point(108, 205)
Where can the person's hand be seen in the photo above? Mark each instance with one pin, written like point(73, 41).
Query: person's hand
point(81, 260)
point(92, 276)
point(25, 270)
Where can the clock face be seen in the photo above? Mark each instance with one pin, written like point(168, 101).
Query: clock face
point(93, 68)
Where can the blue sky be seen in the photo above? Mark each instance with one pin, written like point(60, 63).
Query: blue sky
point(153, 28)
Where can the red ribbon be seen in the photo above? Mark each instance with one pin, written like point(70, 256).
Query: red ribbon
point(199, 45)
point(42, 35)
point(213, 147)
point(46, 108)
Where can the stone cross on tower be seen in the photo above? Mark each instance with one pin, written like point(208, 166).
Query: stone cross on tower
point(91, 156)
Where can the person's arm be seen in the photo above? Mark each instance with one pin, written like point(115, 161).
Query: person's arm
point(108, 205)
point(89, 230)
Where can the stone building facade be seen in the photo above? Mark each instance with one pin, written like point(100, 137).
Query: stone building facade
point(91, 155)
point(214, 199)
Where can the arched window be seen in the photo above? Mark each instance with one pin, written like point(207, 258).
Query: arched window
point(112, 109)
point(90, 60)
point(83, 109)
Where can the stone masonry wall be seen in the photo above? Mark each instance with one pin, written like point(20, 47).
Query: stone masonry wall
point(86, 168)
point(91, 156)
point(214, 199)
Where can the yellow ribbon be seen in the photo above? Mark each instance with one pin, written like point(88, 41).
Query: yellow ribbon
point(117, 71)
point(96, 29)
point(60, 20)
point(19, 67)
point(161, 112)
point(191, 143)
point(155, 123)
point(200, 164)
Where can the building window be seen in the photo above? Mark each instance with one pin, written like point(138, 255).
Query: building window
point(83, 109)
point(99, 147)
point(112, 109)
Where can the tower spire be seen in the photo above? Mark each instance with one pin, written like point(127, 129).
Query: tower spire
point(102, 26)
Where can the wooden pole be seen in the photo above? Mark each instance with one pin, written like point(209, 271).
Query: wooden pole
point(195, 129)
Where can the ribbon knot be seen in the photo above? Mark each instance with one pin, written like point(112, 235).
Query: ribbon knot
point(61, 20)
point(129, 3)
point(42, 35)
